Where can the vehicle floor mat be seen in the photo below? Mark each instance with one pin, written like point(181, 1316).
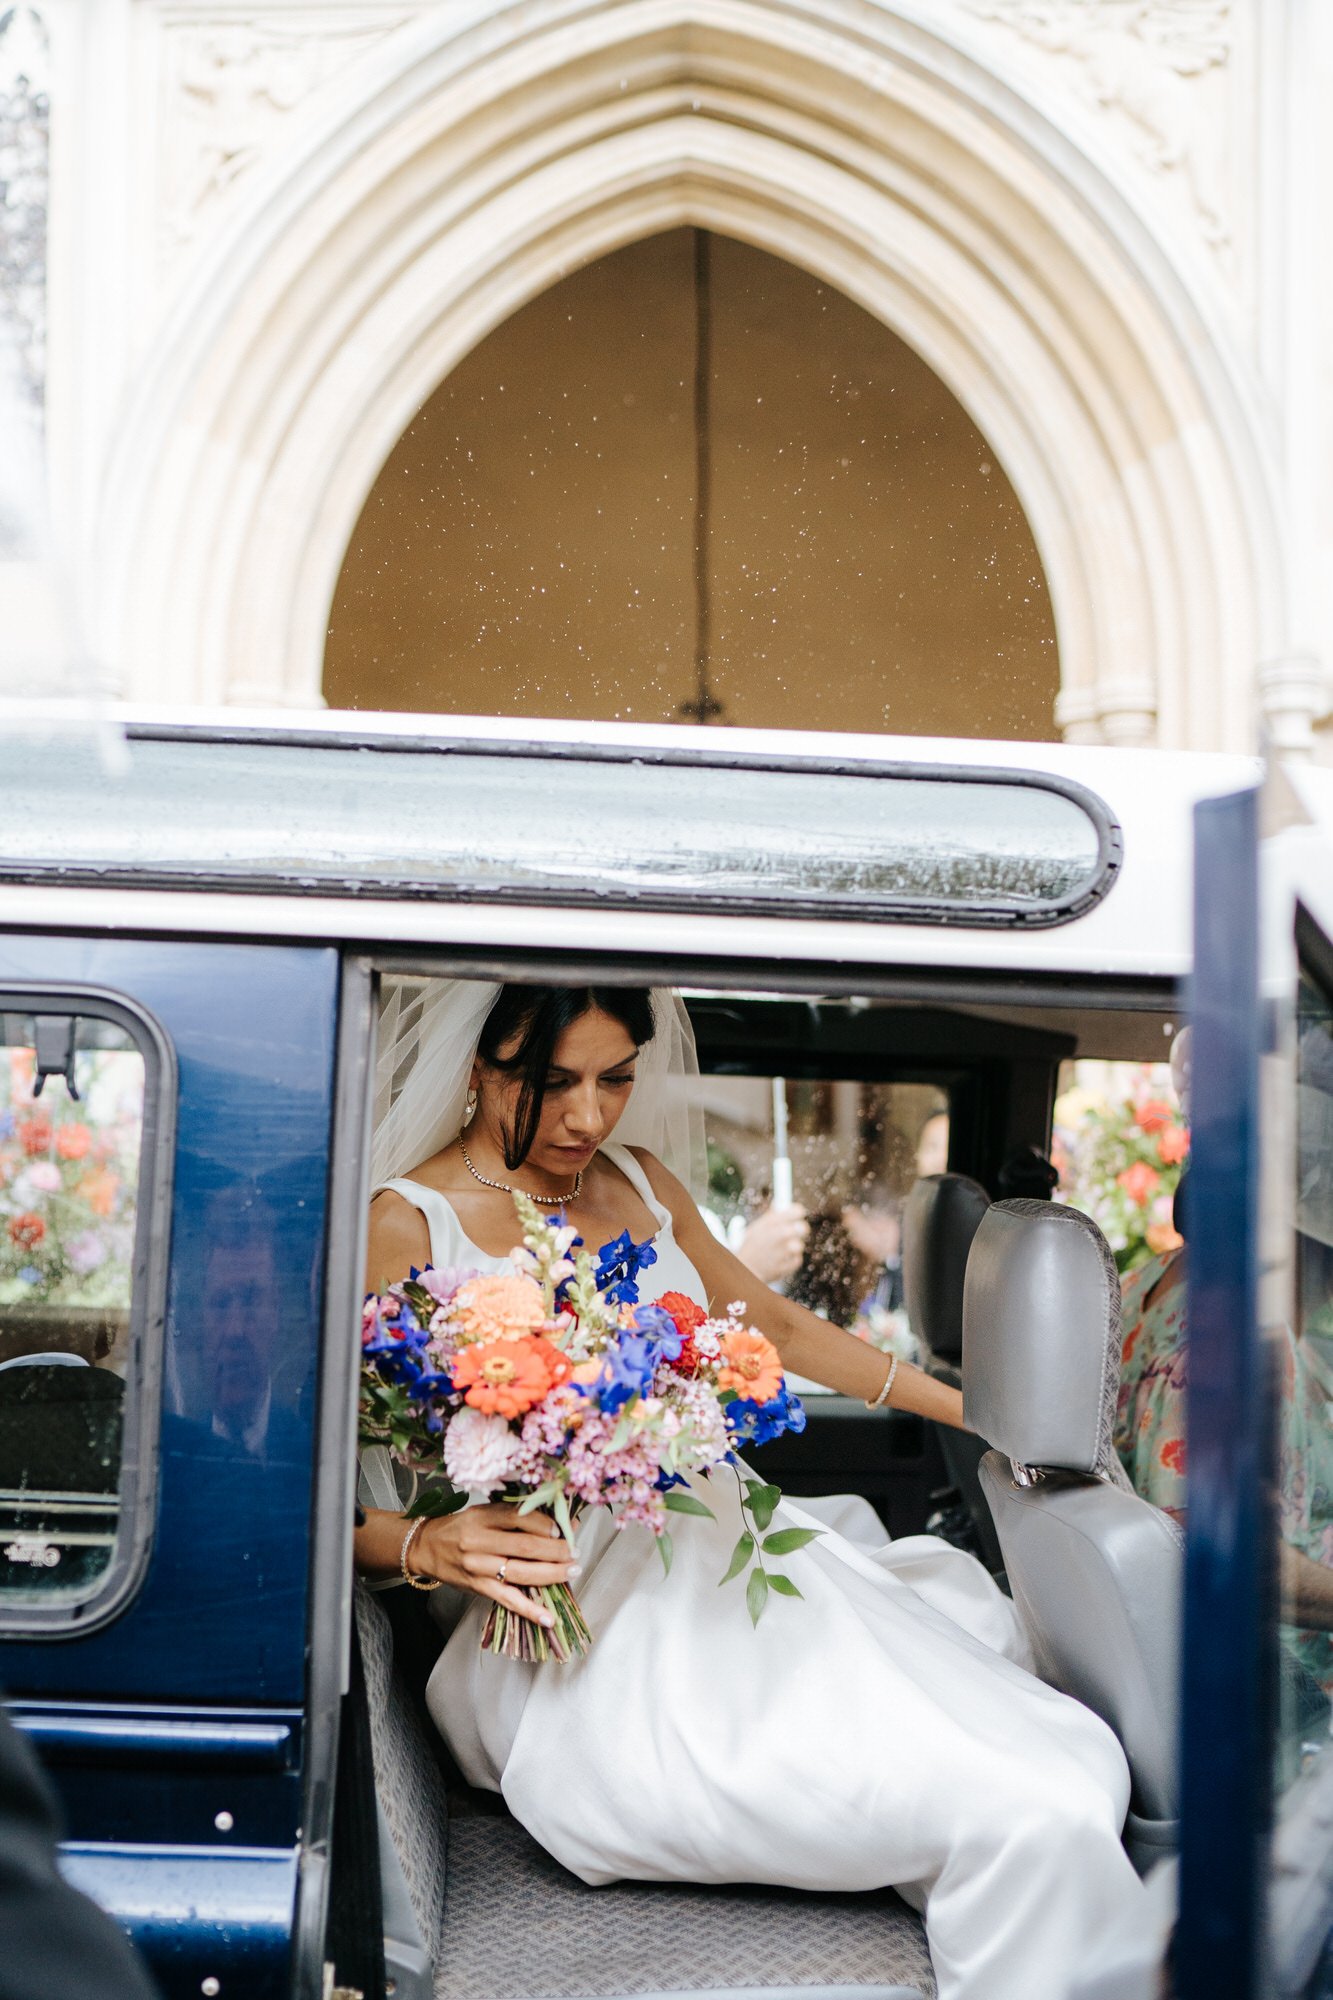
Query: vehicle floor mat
point(518, 1925)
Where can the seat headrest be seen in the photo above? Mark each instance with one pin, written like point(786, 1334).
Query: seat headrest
point(940, 1218)
point(1041, 1337)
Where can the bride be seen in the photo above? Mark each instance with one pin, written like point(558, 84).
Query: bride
point(885, 1730)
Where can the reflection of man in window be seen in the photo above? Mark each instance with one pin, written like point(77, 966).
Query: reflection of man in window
point(240, 1285)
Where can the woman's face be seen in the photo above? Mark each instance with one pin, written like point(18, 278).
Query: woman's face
point(587, 1089)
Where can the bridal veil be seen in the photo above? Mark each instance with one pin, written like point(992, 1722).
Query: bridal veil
point(429, 1030)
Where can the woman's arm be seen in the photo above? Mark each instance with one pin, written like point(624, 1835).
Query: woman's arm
point(808, 1345)
point(396, 1240)
point(1307, 1590)
point(467, 1550)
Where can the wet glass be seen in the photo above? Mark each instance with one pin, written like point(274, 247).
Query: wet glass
point(438, 820)
point(855, 1149)
point(1305, 1410)
point(70, 1146)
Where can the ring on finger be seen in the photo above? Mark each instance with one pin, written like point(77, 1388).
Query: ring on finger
point(500, 1573)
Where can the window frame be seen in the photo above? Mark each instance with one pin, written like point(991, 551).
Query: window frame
point(72, 1618)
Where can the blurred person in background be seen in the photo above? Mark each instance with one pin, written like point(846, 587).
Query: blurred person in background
point(771, 1241)
point(932, 1146)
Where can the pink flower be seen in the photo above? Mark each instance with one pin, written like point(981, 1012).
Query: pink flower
point(443, 1284)
point(44, 1175)
point(480, 1452)
point(85, 1252)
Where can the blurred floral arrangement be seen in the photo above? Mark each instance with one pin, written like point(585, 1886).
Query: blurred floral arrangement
point(887, 1328)
point(1120, 1143)
point(68, 1180)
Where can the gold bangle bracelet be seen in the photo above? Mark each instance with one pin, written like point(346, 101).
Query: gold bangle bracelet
point(417, 1582)
point(887, 1390)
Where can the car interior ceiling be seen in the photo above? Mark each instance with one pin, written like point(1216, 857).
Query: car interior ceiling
point(998, 1067)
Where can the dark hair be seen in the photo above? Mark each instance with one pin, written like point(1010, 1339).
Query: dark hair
point(539, 1015)
point(834, 1276)
point(1026, 1175)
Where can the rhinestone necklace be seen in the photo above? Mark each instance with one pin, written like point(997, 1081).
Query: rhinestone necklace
point(504, 1187)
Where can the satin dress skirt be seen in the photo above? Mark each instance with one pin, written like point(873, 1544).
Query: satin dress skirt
point(881, 1730)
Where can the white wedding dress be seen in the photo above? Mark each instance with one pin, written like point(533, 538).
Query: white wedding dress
point(881, 1730)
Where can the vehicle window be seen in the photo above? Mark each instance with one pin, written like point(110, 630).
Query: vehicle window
point(956, 845)
point(74, 1086)
point(854, 1149)
point(1305, 1406)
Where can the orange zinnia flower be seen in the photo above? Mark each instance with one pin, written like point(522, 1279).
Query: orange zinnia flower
point(35, 1134)
point(507, 1377)
point(99, 1189)
point(1139, 1182)
point(1173, 1145)
point(1153, 1114)
point(751, 1366)
point(73, 1141)
point(27, 1230)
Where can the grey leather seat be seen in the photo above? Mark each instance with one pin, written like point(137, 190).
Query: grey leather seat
point(941, 1216)
point(1094, 1570)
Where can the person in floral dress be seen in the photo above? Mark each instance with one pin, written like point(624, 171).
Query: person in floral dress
point(1150, 1414)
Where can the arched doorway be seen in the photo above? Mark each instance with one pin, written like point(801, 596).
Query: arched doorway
point(690, 474)
point(492, 152)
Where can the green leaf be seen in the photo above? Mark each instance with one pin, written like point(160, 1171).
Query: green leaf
point(740, 1555)
point(788, 1539)
point(685, 1503)
point(539, 1497)
point(562, 1515)
point(434, 1502)
point(782, 1584)
point(763, 1504)
point(756, 1595)
point(665, 1551)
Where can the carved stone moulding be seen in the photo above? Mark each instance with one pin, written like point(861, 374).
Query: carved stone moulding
point(236, 83)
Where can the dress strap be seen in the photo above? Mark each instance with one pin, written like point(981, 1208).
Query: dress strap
point(448, 1245)
point(621, 1156)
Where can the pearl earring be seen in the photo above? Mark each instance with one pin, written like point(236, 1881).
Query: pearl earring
point(469, 1107)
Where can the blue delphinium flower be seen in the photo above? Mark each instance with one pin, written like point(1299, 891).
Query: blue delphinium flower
point(656, 1324)
point(760, 1423)
point(627, 1371)
point(619, 1263)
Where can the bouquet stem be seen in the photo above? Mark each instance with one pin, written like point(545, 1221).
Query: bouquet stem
point(516, 1638)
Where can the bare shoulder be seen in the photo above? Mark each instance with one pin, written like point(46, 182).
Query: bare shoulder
point(397, 1239)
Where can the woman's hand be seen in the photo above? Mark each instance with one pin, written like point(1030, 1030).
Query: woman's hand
point(470, 1548)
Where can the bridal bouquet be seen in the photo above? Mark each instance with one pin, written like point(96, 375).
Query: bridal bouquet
point(552, 1386)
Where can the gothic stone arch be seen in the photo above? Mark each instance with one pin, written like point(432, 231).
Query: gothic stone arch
point(494, 148)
